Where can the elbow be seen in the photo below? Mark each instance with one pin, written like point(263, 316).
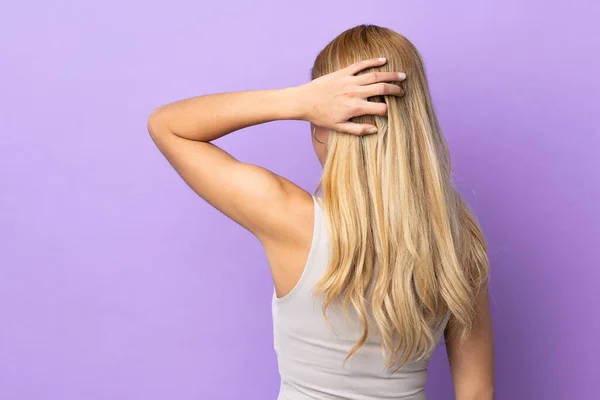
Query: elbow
point(156, 122)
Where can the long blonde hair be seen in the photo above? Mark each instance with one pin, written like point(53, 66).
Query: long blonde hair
point(405, 248)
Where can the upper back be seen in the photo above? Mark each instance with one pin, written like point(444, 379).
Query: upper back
point(311, 353)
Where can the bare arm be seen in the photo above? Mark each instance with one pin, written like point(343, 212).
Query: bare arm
point(472, 364)
point(250, 195)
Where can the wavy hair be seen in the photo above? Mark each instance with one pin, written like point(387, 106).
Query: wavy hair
point(405, 249)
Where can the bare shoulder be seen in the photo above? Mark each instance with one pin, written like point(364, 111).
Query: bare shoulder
point(288, 250)
point(292, 215)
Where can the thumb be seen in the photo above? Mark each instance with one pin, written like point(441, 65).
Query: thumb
point(356, 129)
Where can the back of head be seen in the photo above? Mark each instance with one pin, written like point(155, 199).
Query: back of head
point(405, 249)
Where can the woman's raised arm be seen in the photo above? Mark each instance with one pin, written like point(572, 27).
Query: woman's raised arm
point(252, 196)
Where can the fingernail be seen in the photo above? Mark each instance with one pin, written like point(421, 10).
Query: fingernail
point(372, 130)
point(382, 59)
point(401, 75)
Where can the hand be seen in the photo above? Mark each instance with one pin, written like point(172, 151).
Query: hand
point(331, 100)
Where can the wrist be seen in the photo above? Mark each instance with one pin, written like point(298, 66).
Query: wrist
point(293, 103)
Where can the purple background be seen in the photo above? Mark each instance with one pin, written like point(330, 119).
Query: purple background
point(117, 282)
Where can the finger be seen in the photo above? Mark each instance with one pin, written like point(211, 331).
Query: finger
point(353, 128)
point(372, 108)
point(364, 64)
point(382, 89)
point(380, 76)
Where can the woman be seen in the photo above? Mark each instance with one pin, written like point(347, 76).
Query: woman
point(368, 277)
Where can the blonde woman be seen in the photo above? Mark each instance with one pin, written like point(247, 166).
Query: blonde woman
point(369, 276)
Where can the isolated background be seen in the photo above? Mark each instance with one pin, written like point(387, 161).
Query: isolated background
point(118, 283)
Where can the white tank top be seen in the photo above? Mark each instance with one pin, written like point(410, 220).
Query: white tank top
point(310, 354)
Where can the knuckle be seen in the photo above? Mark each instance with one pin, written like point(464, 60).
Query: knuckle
point(353, 106)
point(369, 78)
point(355, 109)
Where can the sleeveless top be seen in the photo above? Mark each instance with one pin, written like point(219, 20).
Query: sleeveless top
point(310, 354)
